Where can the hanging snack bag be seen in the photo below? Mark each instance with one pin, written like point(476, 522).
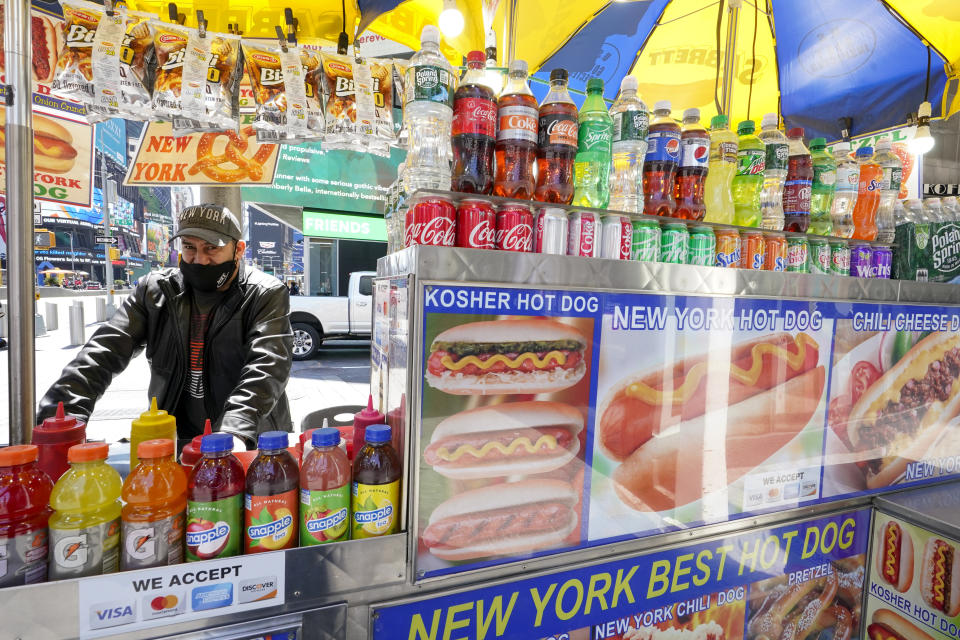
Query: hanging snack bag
point(73, 78)
point(359, 104)
point(136, 59)
point(340, 111)
point(382, 73)
point(288, 104)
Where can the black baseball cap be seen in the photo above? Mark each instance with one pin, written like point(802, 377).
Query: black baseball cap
point(212, 222)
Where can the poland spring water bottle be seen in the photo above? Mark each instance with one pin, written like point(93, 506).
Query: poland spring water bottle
point(630, 123)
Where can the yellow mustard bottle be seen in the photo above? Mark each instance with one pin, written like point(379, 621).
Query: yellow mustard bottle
point(155, 424)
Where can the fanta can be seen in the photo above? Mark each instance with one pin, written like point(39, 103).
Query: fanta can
point(24, 496)
point(271, 518)
point(215, 501)
point(85, 525)
point(154, 515)
point(868, 196)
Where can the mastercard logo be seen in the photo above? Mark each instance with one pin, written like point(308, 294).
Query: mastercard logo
point(164, 603)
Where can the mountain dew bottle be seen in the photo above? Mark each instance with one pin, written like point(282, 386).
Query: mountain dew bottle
point(748, 183)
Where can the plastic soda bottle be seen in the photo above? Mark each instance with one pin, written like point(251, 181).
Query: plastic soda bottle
point(631, 122)
point(774, 173)
point(474, 129)
point(824, 187)
point(271, 503)
point(594, 150)
point(428, 115)
point(155, 424)
point(848, 182)
point(375, 490)
point(694, 154)
point(934, 210)
point(748, 183)
point(24, 511)
point(154, 516)
point(324, 491)
point(889, 189)
point(799, 184)
point(661, 162)
point(85, 525)
point(556, 142)
point(868, 196)
point(215, 501)
point(718, 197)
point(54, 437)
point(516, 149)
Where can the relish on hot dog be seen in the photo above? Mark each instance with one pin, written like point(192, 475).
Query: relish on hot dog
point(894, 557)
point(888, 625)
point(502, 519)
point(506, 356)
point(940, 577)
point(505, 439)
point(766, 390)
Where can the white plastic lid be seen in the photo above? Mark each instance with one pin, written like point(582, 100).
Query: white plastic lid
point(842, 146)
point(662, 105)
point(769, 120)
point(692, 112)
point(629, 83)
point(884, 143)
point(430, 34)
point(518, 66)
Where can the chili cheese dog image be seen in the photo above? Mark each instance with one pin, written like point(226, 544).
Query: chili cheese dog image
point(902, 414)
point(505, 439)
point(894, 558)
point(524, 355)
point(656, 424)
point(502, 519)
point(940, 577)
point(888, 625)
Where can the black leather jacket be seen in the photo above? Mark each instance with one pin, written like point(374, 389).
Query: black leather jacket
point(246, 358)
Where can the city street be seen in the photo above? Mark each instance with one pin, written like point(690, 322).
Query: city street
point(339, 376)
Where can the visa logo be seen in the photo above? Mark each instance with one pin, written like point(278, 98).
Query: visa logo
point(116, 612)
point(112, 614)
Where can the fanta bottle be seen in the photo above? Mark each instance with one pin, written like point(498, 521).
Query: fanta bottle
point(85, 525)
point(694, 154)
point(154, 515)
point(271, 518)
point(155, 424)
point(325, 491)
point(215, 501)
point(718, 196)
point(868, 196)
point(748, 183)
point(24, 511)
point(661, 162)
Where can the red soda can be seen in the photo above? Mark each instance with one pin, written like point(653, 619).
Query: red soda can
point(431, 220)
point(514, 228)
point(753, 252)
point(476, 224)
point(584, 235)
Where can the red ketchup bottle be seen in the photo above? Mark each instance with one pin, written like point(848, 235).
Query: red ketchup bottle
point(271, 514)
point(191, 454)
point(54, 437)
point(215, 501)
point(474, 130)
point(24, 511)
point(361, 421)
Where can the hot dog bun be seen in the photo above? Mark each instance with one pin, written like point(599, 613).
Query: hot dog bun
point(494, 430)
point(676, 466)
point(891, 563)
point(894, 622)
point(900, 451)
point(475, 516)
point(532, 378)
point(53, 150)
point(932, 582)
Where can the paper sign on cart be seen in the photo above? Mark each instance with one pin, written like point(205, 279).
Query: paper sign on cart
point(124, 602)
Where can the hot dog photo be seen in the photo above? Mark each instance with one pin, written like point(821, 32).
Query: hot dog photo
point(505, 406)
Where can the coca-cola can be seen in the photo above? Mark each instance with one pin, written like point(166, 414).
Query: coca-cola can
point(616, 236)
point(476, 224)
point(430, 220)
point(515, 228)
point(583, 238)
point(551, 232)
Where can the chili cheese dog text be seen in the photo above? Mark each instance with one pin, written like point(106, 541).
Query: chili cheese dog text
point(894, 557)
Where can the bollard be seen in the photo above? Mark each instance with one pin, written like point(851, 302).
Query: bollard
point(76, 324)
point(101, 309)
point(52, 316)
point(39, 326)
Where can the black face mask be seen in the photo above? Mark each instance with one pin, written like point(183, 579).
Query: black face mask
point(207, 277)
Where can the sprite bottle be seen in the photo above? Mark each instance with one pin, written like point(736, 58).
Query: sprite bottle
point(594, 150)
point(748, 183)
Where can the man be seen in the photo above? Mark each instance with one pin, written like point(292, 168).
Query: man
point(217, 336)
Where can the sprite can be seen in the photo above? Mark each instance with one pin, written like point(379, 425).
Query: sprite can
point(702, 246)
point(819, 255)
point(646, 240)
point(798, 251)
point(674, 243)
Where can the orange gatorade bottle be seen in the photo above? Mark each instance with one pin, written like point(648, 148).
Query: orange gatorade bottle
point(155, 497)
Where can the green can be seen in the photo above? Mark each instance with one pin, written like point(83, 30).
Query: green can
point(819, 255)
point(798, 254)
point(646, 240)
point(702, 247)
point(674, 243)
point(839, 257)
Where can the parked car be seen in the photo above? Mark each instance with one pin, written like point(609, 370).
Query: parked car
point(317, 318)
point(94, 286)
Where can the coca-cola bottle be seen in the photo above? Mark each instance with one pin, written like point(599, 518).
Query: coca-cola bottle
point(474, 130)
point(557, 145)
point(517, 137)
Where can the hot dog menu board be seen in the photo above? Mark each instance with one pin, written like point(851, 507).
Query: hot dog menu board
point(556, 419)
point(914, 585)
point(803, 580)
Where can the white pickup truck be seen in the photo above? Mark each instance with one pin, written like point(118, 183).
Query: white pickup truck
point(316, 318)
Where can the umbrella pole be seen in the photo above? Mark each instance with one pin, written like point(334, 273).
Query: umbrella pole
point(20, 260)
point(730, 57)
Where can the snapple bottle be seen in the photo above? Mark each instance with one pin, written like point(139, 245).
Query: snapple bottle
point(325, 490)
point(271, 502)
point(375, 492)
point(215, 501)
